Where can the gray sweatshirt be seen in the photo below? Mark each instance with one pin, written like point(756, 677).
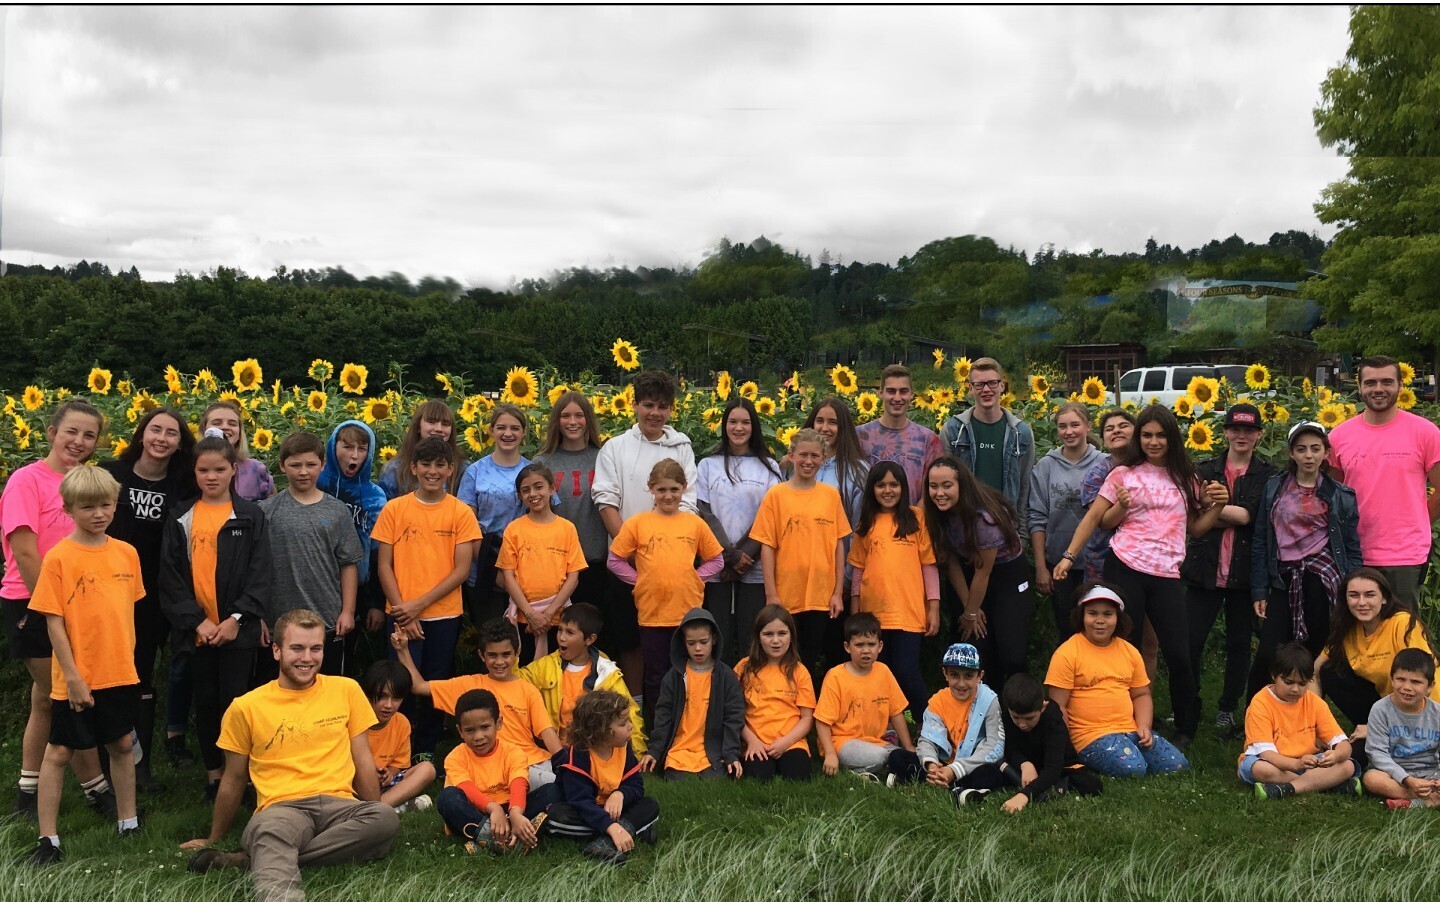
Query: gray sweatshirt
point(1055, 499)
point(1404, 745)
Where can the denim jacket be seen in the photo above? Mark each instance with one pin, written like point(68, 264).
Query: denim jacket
point(1342, 521)
point(958, 439)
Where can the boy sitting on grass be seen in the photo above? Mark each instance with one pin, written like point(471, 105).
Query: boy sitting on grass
point(1404, 736)
point(1292, 742)
point(1038, 750)
point(402, 785)
point(962, 742)
point(857, 700)
point(701, 710)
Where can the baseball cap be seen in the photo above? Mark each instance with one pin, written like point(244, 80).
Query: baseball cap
point(962, 655)
point(1304, 426)
point(1102, 593)
point(1246, 415)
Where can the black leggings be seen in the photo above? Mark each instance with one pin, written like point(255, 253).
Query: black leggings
point(221, 675)
point(1278, 628)
point(811, 627)
point(1202, 607)
point(734, 605)
point(1162, 600)
point(793, 765)
point(1008, 610)
point(152, 631)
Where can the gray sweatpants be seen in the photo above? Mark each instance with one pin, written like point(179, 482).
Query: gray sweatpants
point(313, 831)
point(867, 757)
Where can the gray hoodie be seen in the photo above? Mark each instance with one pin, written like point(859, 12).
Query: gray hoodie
point(1055, 499)
point(726, 715)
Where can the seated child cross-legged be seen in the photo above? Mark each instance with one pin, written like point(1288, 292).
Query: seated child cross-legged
point(779, 700)
point(1404, 743)
point(857, 700)
point(1038, 750)
point(1292, 742)
point(602, 794)
point(402, 785)
point(701, 709)
point(962, 743)
point(1098, 681)
point(487, 798)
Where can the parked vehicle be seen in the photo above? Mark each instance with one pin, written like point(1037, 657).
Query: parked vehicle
point(1168, 383)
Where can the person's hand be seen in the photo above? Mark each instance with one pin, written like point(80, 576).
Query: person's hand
point(1042, 577)
point(744, 564)
point(408, 612)
point(775, 749)
point(755, 750)
point(499, 827)
point(374, 620)
point(413, 630)
point(522, 829)
point(647, 764)
point(621, 837)
point(264, 633)
point(1122, 497)
point(1309, 761)
point(1062, 569)
point(615, 804)
point(773, 599)
point(191, 845)
point(206, 631)
point(932, 619)
point(343, 624)
point(972, 625)
point(1016, 803)
point(1028, 774)
point(1261, 605)
point(534, 623)
point(831, 765)
point(1216, 492)
point(735, 769)
point(398, 640)
point(937, 775)
point(837, 605)
point(1144, 738)
point(226, 632)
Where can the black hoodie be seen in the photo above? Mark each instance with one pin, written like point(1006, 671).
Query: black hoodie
point(726, 715)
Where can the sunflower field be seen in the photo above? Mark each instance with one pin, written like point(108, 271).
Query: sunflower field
point(335, 393)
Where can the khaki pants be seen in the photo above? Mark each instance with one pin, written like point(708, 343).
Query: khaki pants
point(317, 831)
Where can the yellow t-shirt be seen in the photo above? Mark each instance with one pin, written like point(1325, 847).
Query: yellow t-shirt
point(1099, 680)
point(542, 556)
point(954, 713)
point(298, 740)
point(205, 522)
point(390, 744)
point(572, 686)
point(773, 703)
point(95, 590)
point(522, 711)
point(1290, 728)
point(857, 707)
point(804, 526)
point(665, 549)
point(492, 773)
point(893, 585)
point(1370, 656)
point(687, 751)
point(424, 537)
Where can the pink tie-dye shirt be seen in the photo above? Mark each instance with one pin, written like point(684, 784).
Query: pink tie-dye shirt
point(1151, 538)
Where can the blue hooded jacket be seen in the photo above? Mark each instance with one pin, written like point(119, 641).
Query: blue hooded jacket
point(358, 492)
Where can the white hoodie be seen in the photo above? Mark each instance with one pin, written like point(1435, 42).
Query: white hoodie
point(622, 471)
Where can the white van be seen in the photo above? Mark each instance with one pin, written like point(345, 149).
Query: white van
point(1170, 382)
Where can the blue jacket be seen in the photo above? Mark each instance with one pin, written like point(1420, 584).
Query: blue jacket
point(984, 741)
point(958, 438)
point(363, 497)
point(578, 787)
point(1343, 524)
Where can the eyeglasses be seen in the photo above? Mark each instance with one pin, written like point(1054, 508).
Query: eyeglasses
point(988, 384)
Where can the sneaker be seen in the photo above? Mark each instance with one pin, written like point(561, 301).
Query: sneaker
point(103, 803)
point(45, 853)
point(891, 781)
point(421, 803)
point(969, 798)
point(207, 860)
point(1273, 791)
point(602, 848)
point(129, 832)
point(1350, 787)
point(1224, 720)
point(145, 781)
point(866, 776)
point(1400, 804)
point(178, 752)
point(27, 806)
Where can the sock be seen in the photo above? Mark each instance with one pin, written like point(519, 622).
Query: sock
point(96, 786)
point(54, 840)
point(126, 823)
point(29, 781)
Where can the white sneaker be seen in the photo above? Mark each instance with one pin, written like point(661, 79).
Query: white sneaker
point(891, 780)
point(421, 803)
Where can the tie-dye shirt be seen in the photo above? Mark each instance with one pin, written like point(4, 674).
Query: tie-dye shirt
point(913, 447)
point(1151, 538)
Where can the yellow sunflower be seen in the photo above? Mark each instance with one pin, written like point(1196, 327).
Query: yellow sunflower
point(1203, 391)
point(620, 405)
point(521, 387)
point(9, 406)
point(1093, 391)
point(1307, 386)
point(353, 377)
point(867, 405)
point(944, 395)
point(22, 433)
point(445, 383)
point(555, 392)
point(1258, 377)
point(204, 382)
point(1406, 399)
point(1039, 387)
point(173, 383)
point(1407, 373)
point(262, 439)
point(275, 389)
point(765, 407)
point(962, 370)
point(1331, 415)
point(62, 393)
point(626, 357)
point(387, 454)
point(749, 391)
point(1271, 412)
point(711, 418)
point(601, 405)
point(468, 409)
point(226, 395)
point(1007, 400)
point(317, 401)
point(843, 378)
point(287, 408)
point(124, 388)
point(1199, 437)
point(99, 381)
point(723, 385)
point(143, 403)
point(939, 356)
point(793, 383)
point(1324, 396)
point(118, 448)
point(376, 410)
point(786, 436)
point(477, 438)
point(922, 401)
point(321, 369)
point(247, 373)
point(33, 398)
point(1184, 408)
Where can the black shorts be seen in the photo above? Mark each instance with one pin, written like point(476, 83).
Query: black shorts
point(620, 631)
point(26, 634)
point(112, 717)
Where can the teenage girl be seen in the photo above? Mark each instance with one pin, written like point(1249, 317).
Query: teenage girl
point(845, 466)
point(215, 574)
point(895, 577)
point(431, 418)
point(253, 481)
point(540, 562)
point(1055, 507)
point(156, 472)
point(656, 552)
point(488, 487)
point(570, 449)
point(1154, 501)
point(32, 521)
point(730, 483)
point(779, 700)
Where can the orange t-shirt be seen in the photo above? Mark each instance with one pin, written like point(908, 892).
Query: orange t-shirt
point(665, 548)
point(390, 743)
point(954, 713)
point(522, 711)
point(687, 750)
point(804, 526)
point(857, 707)
point(424, 538)
point(542, 556)
point(94, 589)
point(491, 773)
point(205, 522)
point(772, 703)
point(607, 774)
point(572, 686)
point(1290, 728)
point(1099, 680)
point(893, 585)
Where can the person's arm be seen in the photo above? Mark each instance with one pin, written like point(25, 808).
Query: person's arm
point(1027, 466)
point(902, 730)
point(1098, 508)
point(401, 643)
point(827, 748)
point(1043, 580)
point(551, 740)
point(622, 568)
point(1051, 766)
point(990, 749)
point(25, 551)
point(956, 575)
point(75, 687)
point(517, 594)
point(385, 567)
point(1144, 708)
point(367, 781)
point(579, 791)
point(733, 722)
point(857, 580)
point(567, 588)
point(767, 571)
point(662, 730)
point(1260, 553)
point(1213, 496)
point(177, 593)
point(1060, 698)
point(227, 799)
point(703, 509)
point(1433, 503)
point(930, 577)
point(710, 567)
point(1112, 515)
point(605, 489)
point(464, 555)
point(975, 621)
point(802, 730)
point(259, 574)
point(349, 589)
point(837, 596)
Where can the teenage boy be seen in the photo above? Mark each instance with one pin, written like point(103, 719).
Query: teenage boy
point(857, 701)
point(1216, 571)
point(620, 490)
point(87, 590)
point(1038, 751)
point(316, 552)
point(1403, 735)
point(897, 437)
point(349, 464)
point(962, 743)
point(994, 443)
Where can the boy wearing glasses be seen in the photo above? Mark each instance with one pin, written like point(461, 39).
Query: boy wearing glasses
point(994, 443)
point(894, 436)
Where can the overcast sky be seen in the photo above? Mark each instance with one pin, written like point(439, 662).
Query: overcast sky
point(489, 144)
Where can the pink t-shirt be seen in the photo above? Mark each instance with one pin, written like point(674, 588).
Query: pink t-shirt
point(1152, 536)
point(1387, 467)
point(1227, 535)
point(31, 499)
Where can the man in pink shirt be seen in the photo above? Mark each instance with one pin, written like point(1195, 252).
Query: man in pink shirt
point(1387, 455)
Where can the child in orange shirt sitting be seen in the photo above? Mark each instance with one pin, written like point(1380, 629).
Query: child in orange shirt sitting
point(857, 700)
point(524, 720)
point(701, 709)
point(402, 785)
point(779, 700)
point(1292, 742)
point(962, 742)
point(540, 561)
point(487, 798)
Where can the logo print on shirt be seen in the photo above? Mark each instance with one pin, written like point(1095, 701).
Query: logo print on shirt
point(285, 731)
point(147, 505)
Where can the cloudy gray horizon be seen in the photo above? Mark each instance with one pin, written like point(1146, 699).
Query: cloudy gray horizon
point(495, 144)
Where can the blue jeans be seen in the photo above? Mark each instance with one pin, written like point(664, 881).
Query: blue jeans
point(458, 811)
point(1120, 755)
point(434, 657)
point(901, 653)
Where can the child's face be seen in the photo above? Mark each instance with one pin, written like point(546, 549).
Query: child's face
point(943, 484)
point(1072, 430)
point(75, 438)
point(1116, 432)
point(161, 437)
point(385, 705)
point(962, 682)
point(351, 456)
point(478, 729)
point(620, 732)
point(227, 421)
point(887, 492)
point(1308, 452)
point(213, 474)
point(572, 422)
point(507, 432)
point(432, 475)
point(807, 458)
point(738, 429)
point(1289, 687)
point(775, 638)
point(535, 493)
point(1410, 687)
point(864, 650)
point(1101, 618)
point(499, 658)
point(302, 470)
point(1026, 722)
point(436, 428)
point(667, 494)
point(571, 643)
point(699, 643)
point(1154, 443)
point(94, 517)
point(827, 424)
point(652, 414)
